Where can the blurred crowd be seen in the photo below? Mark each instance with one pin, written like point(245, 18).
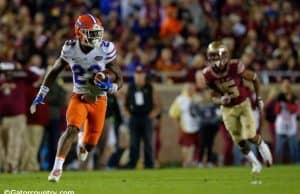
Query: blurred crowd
point(167, 39)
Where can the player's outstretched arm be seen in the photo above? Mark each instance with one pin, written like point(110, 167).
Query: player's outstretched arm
point(51, 75)
point(252, 76)
point(53, 72)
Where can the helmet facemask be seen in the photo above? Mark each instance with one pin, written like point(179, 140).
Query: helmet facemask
point(92, 37)
point(218, 58)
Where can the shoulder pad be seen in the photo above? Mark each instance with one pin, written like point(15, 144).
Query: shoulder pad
point(68, 49)
point(70, 43)
point(107, 46)
point(109, 51)
point(237, 66)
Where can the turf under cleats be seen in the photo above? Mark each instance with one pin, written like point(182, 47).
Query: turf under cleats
point(256, 170)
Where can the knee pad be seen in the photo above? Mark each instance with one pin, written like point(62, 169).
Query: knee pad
point(244, 147)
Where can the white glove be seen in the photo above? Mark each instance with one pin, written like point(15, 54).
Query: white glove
point(39, 99)
point(113, 89)
point(225, 100)
point(260, 103)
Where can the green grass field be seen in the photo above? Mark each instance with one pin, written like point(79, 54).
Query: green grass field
point(235, 180)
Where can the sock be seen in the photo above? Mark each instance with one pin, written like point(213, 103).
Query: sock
point(251, 157)
point(59, 162)
point(261, 143)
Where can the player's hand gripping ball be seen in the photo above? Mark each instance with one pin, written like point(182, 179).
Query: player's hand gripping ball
point(100, 76)
point(104, 81)
point(225, 100)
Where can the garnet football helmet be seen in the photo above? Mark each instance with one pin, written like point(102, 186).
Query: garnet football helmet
point(218, 55)
point(89, 30)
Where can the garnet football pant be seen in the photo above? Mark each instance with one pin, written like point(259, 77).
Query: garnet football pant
point(239, 121)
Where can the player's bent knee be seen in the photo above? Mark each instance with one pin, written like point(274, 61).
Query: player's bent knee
point(244, 147)
point(72, 131)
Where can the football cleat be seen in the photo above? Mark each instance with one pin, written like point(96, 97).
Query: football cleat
point(81, 151)
point(55, 175)
point(265, 153)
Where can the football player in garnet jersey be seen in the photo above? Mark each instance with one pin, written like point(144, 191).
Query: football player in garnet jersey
point(225, 77)
point(87, 55)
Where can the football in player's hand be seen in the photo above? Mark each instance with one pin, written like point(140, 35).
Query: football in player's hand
point(100, 76)
point(225, 100)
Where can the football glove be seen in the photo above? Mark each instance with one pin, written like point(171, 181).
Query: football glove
point(39, 99)
point(106, 85)
point(113, 89)
point(225, 100)
point(260, 103)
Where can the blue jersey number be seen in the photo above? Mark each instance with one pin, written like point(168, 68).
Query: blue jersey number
point(105, 43)
point(79, 72)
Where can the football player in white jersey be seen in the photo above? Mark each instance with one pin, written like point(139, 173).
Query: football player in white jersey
point(87, 56)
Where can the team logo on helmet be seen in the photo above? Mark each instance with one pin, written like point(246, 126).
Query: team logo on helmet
point(218, 55)
point(89, 30)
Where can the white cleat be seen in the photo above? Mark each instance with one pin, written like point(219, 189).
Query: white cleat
point(55, 175)
point(265, 153)
point(82, 153)
point(256, 168)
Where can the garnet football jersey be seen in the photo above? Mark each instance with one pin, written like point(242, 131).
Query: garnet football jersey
point(229, 83)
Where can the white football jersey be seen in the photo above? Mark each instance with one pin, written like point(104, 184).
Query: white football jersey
point(84, 66)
